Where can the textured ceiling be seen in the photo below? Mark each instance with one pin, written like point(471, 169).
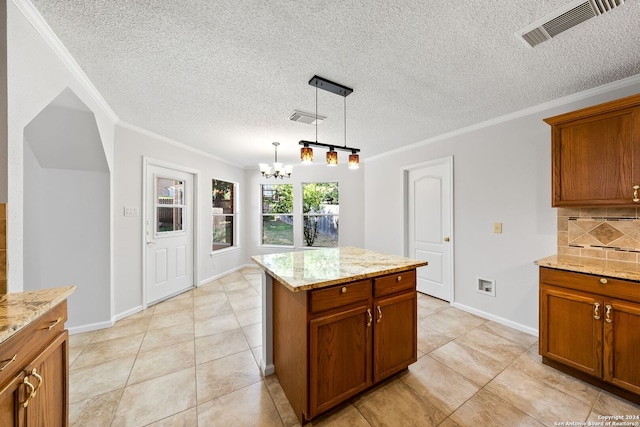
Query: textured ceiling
point(223, 76)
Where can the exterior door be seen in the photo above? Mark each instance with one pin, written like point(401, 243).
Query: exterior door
point(429, 194)
point(169, 232)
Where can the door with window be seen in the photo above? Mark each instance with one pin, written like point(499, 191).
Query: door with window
point(169, 232)
point(429, 204)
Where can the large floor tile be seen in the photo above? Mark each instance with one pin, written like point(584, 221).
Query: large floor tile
point(91, 381)
point(209, 299)
point(174, 304)
point(471, 363)
point(249, 406)
point(170, 318)
point(216, 325)
point(430, 303)
point(253, 333)
point(123, 328)
point(283, 406)
point(215, 309)
point(452, 322)
point(486, 409)
point(537, 399)
point(246, 303)
point(389, 405)
point(213, 347)
point(225, 375)
point(442, 386)
point(208, 288)
point(160, 338)
point(608, 404)
point(247, 292)
point(249, 317)
point(521, 338)
point(430, 339)
point(96, 411)
point(102, 351)
point(344, 416)
point(151, 401)
point(188, 418)
point(501, 349)
point(159, 362)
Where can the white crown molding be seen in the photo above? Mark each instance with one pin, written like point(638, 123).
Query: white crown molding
point(178, 144)
point(41, 26)
point(516, 115)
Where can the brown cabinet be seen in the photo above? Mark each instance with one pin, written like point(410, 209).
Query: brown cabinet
point(596, 155)
point(586, 327)
point(34, 373)
point(330, 344)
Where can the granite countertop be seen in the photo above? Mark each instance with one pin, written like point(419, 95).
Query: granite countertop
point(317, 268)
point(557, 261)
point(19, 309)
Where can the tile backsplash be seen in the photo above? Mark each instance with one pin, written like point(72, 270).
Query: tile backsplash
point(601, 237)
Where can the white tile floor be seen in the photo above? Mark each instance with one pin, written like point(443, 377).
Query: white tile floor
point(193, 361)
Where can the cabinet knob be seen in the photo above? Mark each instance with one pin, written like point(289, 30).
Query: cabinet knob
point(399, 278)
point(446, 239)
point(344, 290)
point(635, 193)
point(603, 281)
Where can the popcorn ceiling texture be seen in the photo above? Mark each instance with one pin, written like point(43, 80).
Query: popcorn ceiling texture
point(223, 76)
point(600, 237)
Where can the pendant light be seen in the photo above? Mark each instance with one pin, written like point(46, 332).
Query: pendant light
point(279, 170)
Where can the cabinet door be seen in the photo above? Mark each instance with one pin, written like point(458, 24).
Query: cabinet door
point(339, 357)
point(50, 376)
point(571, 328)
point(622, 344)
point(594, 160)
point(12, 395)
point(395, 334)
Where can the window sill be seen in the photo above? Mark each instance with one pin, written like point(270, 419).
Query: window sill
point(224, 251)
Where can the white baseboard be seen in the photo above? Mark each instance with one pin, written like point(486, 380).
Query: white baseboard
point(90, 327)
point(217, 276)
point(497, 319)
point(128, 313)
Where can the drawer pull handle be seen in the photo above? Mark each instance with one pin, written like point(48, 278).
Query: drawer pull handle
point(399, 278)
point(26, 382)
point(39, 378)
point(596, 308)
point(603, 281)
point(370, 317)
point(635, 193)
point(344, 290)
point(8, 362)
point(58, 320)
point(608, 314)
point(379, 315)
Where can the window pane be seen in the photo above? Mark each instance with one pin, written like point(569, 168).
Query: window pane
point(222, 232)
point(277, 230)
point(277, 198)
point(223, 197)
point(321, 209)
point(320, 230)
point(169, 219)
point(169, 191)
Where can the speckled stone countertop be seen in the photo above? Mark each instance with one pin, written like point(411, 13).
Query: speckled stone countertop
point(19, 309)
point(557, 262)
point(317, 268)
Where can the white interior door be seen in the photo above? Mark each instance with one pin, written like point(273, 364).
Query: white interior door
point(169, 232)
point(429, 232)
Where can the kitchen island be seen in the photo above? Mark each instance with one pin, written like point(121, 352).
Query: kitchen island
point(336, 321)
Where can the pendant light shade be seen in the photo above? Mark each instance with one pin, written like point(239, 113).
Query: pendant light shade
point(354, 161)
point(279, 169)
point(306, 155)
point(332, 157)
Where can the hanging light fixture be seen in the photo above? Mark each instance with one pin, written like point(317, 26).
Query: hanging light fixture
point(306, 152)
point(279, 170)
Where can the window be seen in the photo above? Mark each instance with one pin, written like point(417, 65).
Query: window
point(277, 214)
point(320, 212)
point(169, 205)
point(223, 214)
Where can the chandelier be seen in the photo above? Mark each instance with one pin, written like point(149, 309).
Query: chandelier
point(306, 152)
point(279, 170)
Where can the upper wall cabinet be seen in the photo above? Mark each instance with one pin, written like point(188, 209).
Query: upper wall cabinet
point(596, 155)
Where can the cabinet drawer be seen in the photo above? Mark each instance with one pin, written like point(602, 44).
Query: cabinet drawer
point(25, 344)
point(393, 283)
point(612, 287)
point(340, 296)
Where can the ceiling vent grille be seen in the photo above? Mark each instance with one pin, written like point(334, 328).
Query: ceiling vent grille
point(564, 18)
point(308, 118)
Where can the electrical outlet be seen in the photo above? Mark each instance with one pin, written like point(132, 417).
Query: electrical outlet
point(497, 227)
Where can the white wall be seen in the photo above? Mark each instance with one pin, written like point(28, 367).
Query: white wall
point(352, 213)
point(502, 173)
point(132, 144)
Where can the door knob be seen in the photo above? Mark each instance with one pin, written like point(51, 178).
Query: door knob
point(446, 239)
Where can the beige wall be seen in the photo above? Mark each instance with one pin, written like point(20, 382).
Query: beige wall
point(601, 237)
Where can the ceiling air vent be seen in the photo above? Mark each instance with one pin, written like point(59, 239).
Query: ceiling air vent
point(308, 118)
point(564, 18)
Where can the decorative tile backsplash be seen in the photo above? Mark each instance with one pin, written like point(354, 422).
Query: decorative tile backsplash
point(601, 237)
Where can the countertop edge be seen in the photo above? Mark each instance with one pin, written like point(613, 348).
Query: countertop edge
point(553, 262)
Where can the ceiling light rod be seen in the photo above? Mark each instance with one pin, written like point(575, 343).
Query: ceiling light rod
point(329, 146)
point(328, 85)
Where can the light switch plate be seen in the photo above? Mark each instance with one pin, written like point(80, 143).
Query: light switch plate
point(497, 227)
point(131, 211)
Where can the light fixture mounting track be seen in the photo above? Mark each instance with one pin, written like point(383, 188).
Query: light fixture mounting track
point(328, 85)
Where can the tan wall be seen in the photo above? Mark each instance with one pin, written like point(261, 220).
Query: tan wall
point(602, 237)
